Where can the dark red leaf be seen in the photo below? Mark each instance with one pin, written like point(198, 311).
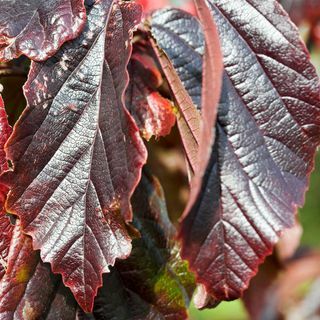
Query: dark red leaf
point(153, 283)
point(267, 132)
point(153, 113)
point(38, 28)
point(211, 92)
point(185, 51)
point(5, 226)
point(77, 153)
point(29, 290)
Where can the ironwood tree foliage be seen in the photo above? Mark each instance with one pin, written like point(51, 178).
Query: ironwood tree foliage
point(85, 232)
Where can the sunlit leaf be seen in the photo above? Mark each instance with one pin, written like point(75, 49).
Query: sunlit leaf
point(267, 132)
point(77, 153)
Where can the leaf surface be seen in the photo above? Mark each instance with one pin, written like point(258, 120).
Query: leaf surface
point(153, 283)
point(267, 132)
point(29, 290)
point(175, 50)
point(77, 153)
point(152, 112)
point(38, 28)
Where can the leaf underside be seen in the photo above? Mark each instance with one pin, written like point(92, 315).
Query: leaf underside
point(77, 153)
point(177, 49)
point(267, 132)
point(170, 28)
point(38, 28)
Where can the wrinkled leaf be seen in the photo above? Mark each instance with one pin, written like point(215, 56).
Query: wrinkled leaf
point(153, 283)
point(267, 131)
point(152, 112)
point(77, 153)
point(29, 290)
point(38, 28)
point(184, 49)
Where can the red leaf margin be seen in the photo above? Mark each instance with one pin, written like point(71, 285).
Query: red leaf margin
point(6, 228)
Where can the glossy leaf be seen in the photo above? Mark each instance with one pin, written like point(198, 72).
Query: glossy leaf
point(77, 153)
point(268, 129)
point(184, 49)
point(29, 290)
point(153, 113)
point(38, 28)
point(153, 283)
point(166, 26)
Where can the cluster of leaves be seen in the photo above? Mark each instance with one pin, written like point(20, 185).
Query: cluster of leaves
point(80, 216)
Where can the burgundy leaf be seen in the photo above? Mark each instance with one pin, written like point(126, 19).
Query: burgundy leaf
point(77, 153)
point(153, 113)
point(184, 49)
point(29, 290)
point(38, 28)
point(5, 226)
point(189, 120)
point(268, 129)
point(211, 92)
point(153, 283)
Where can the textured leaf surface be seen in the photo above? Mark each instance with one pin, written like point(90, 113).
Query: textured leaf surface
point(77, 153)
point(189, 120)
point(267, 132)
point(5, 226)
point(184, 49)
point(153, 283)
point(29, 290)
point(38, 28)
point(153, 113)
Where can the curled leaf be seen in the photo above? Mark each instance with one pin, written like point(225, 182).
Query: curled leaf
point(267, 131)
